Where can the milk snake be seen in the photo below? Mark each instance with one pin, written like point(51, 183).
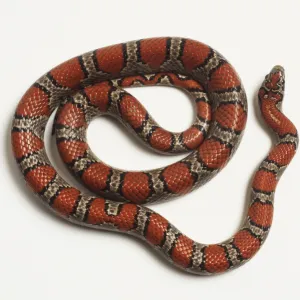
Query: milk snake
point(92, 84)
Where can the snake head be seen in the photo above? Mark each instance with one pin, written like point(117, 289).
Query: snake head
point(275, 79)
point(273, 85)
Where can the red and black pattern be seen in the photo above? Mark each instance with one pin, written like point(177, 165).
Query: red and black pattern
point(108, 97)
point(221, 107)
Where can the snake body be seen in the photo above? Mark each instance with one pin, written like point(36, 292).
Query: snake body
point(92, 84)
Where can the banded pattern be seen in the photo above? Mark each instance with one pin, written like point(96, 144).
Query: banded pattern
point(108, 97)
point(92, 84)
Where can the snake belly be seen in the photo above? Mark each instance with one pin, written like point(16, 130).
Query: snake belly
point(92, 84)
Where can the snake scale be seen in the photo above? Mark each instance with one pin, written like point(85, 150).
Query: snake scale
point(92, 84)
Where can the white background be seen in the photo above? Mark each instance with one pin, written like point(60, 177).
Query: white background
point(43, 257)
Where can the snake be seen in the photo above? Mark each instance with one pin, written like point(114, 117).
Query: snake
point(94, 84)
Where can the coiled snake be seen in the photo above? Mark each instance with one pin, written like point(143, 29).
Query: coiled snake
point(92, 84)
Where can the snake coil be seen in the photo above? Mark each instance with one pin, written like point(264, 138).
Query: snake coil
point(92, 84)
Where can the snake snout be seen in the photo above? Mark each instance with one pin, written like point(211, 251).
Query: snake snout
point(278, 68)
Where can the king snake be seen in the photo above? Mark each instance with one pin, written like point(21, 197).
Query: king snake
point(92, 84)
